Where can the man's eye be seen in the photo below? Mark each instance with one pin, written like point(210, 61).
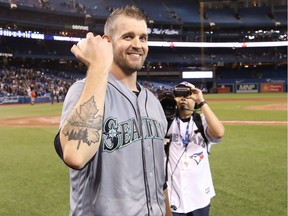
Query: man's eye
point(128, 38)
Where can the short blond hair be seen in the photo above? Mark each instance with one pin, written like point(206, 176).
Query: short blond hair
point(127, 11)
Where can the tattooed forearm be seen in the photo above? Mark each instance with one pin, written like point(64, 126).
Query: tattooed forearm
point(84, 125)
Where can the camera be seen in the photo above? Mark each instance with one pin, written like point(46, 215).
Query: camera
point(168, 104)
point(182, 91)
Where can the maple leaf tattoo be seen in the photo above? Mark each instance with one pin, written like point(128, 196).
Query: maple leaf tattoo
point(85, 125)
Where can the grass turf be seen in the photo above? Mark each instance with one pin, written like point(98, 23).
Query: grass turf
point(250, 171)
point(249, 166)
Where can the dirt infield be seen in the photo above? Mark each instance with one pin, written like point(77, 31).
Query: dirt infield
point(53, 121)
point(268, 107)
point(35, 121)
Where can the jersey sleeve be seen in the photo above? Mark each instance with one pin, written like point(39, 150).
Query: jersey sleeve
point(71, 99)
point(210, 139)
point(57, 146)
point(69, 103)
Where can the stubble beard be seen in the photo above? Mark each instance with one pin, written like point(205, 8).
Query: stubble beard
point(128, 67)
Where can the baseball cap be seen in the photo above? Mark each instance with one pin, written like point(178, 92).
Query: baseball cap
point(183, 89)
point(185, 83)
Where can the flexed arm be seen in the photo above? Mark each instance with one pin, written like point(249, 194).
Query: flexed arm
point(80, 134)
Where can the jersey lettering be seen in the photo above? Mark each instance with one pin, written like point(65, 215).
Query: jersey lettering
point(117, 135)
point(152, 128)
point(194, 139)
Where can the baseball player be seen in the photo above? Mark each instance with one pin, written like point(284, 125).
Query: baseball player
point(112, 128)
point(190, 183)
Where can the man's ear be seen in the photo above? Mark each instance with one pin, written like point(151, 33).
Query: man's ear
point(107, 38)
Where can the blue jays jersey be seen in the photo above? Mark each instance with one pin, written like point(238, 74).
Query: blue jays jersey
point(126, 175)
point(190, 185)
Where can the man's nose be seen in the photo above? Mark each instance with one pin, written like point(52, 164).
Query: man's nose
point(136, 42)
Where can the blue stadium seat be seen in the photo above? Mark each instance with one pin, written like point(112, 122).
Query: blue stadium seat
point(253, 16)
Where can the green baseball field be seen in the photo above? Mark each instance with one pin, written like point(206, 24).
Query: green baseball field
point(249, 166)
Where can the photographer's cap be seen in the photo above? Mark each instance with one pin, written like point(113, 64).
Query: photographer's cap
point(184, 89)
point(187, 84)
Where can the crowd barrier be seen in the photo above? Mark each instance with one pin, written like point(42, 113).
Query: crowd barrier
point(25, 99)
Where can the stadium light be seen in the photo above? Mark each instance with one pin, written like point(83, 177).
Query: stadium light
point(197, 74)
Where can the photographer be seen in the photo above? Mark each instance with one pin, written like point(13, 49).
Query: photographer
point(190, 186)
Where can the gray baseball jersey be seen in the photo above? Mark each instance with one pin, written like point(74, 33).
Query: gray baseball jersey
point(126, 175)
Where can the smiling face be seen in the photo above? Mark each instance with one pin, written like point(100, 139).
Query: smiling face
point(130, 45)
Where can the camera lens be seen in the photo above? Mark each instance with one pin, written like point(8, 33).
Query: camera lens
point(169, 106)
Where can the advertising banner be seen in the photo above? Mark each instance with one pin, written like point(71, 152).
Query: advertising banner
point(223, 89)
point(9, 99)
point(271, 87)
point(247, 88)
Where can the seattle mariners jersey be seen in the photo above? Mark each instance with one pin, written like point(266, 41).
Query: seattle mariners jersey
point(190, 185)
point(126, 176)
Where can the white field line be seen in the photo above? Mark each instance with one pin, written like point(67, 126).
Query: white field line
point(256, 122)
